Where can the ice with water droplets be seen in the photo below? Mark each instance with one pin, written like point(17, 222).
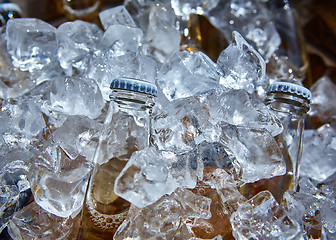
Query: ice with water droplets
point(243, 67)
point(262, 217)
point(185, 8)
point(116, 16)
point(31, 43)
point(186, 74)
point(76, 96)
point(77, 41)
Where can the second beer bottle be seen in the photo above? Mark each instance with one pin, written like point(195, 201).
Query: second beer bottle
point(126, 130)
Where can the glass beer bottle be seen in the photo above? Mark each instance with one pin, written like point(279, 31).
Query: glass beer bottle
point(291, 103)
point(126, 130)
point(8, 11)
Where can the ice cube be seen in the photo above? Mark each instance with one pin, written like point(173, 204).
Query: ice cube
point(77, 42)
point(78, 135)
point(261, 217)
point(323, 92)
point(253, 19)
point(150, 174)
point(243, 67)
point(59, 183)
point(33, 222)
point(165, 218)
point(116, 16)
point(76, 96)
point(318, 161)
point(15, 190)
point(31, 43)
point(186, 74)
point(161, 38)
point(257, 154)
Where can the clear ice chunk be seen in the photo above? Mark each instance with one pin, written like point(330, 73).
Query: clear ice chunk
point(261, 217)
point(59, 183)
point(77, 41)
point(257, 154)
point(243, 67)
point(161, 38)
point(323, 92)
point(318, 154)
point(166, 218)
point(253, 19)
point(119, 39)
point(14, 190)
point(78, 135)
point(186, 74)
point(76, 96)
point(31, 43)
point(33, 222)
point(150, 174)
point(116, 16)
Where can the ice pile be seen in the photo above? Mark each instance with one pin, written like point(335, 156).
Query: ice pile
point(211, 129)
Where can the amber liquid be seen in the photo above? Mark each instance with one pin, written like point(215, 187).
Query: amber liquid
point(276, 185)
point(103, 211)
point(85, 10)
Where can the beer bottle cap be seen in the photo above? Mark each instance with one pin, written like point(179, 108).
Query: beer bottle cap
point(290, 88)
point(134, 85)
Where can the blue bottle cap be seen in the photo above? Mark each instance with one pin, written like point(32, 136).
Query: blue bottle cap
point(135, 85)
point(291, 88)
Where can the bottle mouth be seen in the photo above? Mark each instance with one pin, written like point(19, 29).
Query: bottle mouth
point(288, 103)
point(134, 85)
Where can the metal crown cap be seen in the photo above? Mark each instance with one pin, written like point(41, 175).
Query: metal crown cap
point(135, 85)
point(292, 88)
point(7, 7)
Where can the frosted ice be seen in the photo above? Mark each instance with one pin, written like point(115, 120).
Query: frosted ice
point(33, 222)
point(150, 174)
point(261, 217)
point(14, 190)
point(116, 16)
point(31, 43)
point(318, 155)
point(257, 154)
point(186, 74)
point(220, 187)
point(59, 183)
point(166, 218)
point(161, 38)
point(323, 92)
point(77, 42)
point(76, 96)
point(243, 67)
point(78, 135)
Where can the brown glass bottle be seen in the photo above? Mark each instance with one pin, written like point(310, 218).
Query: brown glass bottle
point(290, 102)
point(127, 129)
point(85, 10)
